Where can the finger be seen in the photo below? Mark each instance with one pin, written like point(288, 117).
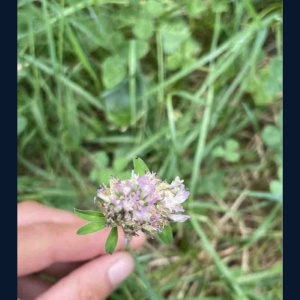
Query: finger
point(30, 212)
point(94, 280)
point(41, 245)
point(30, 287)
point(59, 270)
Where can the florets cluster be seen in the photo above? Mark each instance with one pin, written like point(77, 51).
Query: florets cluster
point(143, 203)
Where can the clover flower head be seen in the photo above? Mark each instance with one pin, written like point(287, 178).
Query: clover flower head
point(143, 203)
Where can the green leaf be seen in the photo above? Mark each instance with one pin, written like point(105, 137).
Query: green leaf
point(140, 168)
point(267, 83)
point(219, 152)
point(271, 135)
point(173, 35)
point(276, 187)
point(142, 48)
point(22, 122)
point(101, 159)
point(232, 156)
point(195, 7)
point(143, 29)
point(183, 56)
point(166, 235)
point(154, 8)
point(92, 227)
point(112, 240)
point(113, 71)
point(232, 144)
point(89, 215)
point(120, 163)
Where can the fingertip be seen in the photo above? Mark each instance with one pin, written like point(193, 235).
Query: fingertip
point(121, 267)
point(94, 280)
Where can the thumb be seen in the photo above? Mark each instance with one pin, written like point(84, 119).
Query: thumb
point(94, 280)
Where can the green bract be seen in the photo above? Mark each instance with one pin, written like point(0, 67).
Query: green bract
point(112, 240)
point(92, 227)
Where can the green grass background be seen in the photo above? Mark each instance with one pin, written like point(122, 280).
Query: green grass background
point(194, 88)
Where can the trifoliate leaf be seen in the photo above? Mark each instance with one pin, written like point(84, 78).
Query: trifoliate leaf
point(112, 240)
point(89, 215)
point(92, 227)
point(166, 235)
point(140, 167)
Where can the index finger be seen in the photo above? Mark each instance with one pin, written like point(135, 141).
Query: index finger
point(42, 244)
point(30, 212)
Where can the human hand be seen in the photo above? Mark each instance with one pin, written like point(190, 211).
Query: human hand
point(48, 243)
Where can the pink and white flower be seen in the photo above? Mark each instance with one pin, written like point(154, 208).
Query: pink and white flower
point(143, 203)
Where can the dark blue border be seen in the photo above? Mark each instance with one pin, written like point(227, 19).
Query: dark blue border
point(8, 125)
point(291, 118)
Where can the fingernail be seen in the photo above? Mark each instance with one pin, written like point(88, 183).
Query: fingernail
point(120, 270)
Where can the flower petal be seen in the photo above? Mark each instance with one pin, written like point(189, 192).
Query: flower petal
point(178, 218)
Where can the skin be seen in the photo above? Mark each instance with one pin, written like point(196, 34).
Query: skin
point(48, 244)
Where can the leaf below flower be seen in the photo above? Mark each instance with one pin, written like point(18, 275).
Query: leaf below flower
point(89, 215)
point(112, 240)
point(92, 227)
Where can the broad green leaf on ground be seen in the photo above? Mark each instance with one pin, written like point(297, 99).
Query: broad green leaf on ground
point(271, 136)
point(140, 168)
point(92, 227)
point(219, 152)
point(166, 235)
point(143, 29)
point(112, 240)
point(117, 105)
point(22, 122)
point(113, 71)
point(142, 48)
point(266, 84)
point(101, 159)
point(89, 215)
point(173, 34)
point(184, 56)
point(117, 101)
point(120, 163)
point(195, 7)
point(153, 8)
